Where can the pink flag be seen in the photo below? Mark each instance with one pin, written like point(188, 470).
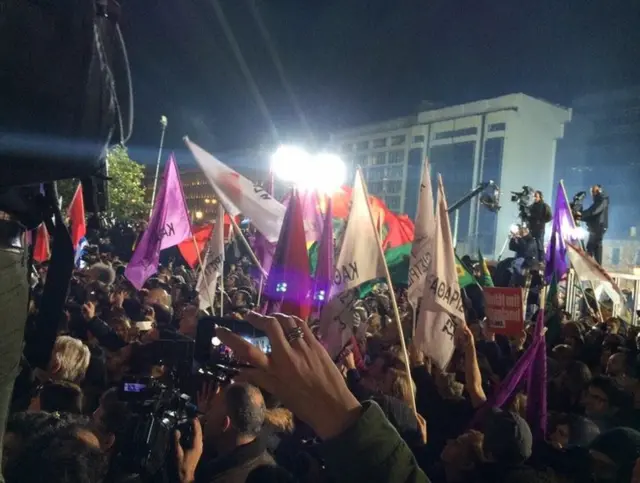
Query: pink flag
point(168, 226)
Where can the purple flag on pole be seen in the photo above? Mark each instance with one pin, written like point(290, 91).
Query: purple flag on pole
point(537, 383)
point(324, 268)
point(169, 225)
point(563, 225)
point(507, 387)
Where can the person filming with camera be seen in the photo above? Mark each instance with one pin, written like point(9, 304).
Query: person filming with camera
point(539, 216)
point(597, 219)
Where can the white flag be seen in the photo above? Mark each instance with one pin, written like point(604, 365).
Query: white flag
point(240, 195)
point(359, 261)
point(423, 242)
point(441, 309)
point(588, 269)
point(213, 264)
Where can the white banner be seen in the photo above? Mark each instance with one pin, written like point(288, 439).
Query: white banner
point(441, 309)
point(358, 262)
point(423, 243)
point(239, 195)
point(213, 264)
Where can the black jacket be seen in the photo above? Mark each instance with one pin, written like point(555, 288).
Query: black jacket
point(524, 247)
point(539, 216)
point(597, 215)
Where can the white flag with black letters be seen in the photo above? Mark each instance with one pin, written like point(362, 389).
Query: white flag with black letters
point(213, 264)
point(423, 242)
point(441, 308)
point(359, 261)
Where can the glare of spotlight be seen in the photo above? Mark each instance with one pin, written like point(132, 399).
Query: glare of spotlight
point(327, 174)
point(281, 287)
point(320, 296)
point(514, 229)
point(215, 342)
point(290, 163)
point(579, 233)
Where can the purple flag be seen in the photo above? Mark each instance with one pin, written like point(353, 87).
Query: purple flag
point(563, 226)
point(324, 268)
point(506, 389)
point(537, 383)
point(169, 225)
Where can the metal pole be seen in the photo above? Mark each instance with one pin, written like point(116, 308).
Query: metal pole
point(163, 123)
point(456, 221)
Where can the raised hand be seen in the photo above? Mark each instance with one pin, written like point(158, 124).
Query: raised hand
point(298, 371)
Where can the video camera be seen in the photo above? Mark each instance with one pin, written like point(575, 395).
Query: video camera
point(158, 410)
point(576, 205)
point(159, 407)
point(523, 199)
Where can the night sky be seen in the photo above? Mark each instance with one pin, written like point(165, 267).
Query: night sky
point(357, 61)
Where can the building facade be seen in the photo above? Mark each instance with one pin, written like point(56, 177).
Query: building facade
point(510, 140)
point(602, 146)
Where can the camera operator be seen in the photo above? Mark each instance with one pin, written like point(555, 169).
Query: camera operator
point(524, 245)
point(597, 219)
point(539, 216)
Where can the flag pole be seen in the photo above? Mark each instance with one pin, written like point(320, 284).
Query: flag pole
point(203, 268)
point(392, 296)
point(254, 259)
point(163, 123)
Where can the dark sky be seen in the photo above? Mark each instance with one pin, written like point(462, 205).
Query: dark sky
point(354, 61)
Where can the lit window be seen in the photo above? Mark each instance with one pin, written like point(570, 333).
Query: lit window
point(396, 157)
point(379, 158)
point(398, 140)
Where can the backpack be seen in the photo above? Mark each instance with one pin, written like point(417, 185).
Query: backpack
point(58, 102)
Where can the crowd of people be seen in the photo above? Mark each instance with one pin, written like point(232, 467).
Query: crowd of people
point(296, 415)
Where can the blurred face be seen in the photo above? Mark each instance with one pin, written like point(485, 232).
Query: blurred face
point(536, 197)
point(189, 320)
point(157, 296)
point(460, 451)
point(560, 435)
point(596, 402)
point(217, 421)
point(616, 365)
point(594, 190)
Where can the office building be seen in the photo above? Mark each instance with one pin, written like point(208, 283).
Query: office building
point(602, 146)
point(510, 140)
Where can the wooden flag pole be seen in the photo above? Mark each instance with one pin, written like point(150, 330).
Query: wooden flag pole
point(392, 296)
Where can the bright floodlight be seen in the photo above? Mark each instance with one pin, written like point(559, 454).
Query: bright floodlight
point(290, 163)
point(579, 233)
point(326, 173)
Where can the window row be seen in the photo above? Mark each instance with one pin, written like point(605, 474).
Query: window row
point(384, 187)
point(380, 173)
point(377, 159)
point(378, 143)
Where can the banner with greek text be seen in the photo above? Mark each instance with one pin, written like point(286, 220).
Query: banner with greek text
point(240, 195)
point(359, 261)
point(441, 308)
point(213, 263)
point(423, 243)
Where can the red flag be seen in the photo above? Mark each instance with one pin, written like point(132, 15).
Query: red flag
point(76, 217)
point(400, 230)
point(201, 236)
point(41, 251)
point(289, 280)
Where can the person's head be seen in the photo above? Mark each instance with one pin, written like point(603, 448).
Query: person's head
point(524, 231)
point(235, 416)
point(596, 189)
point(614, 453)
point(602, 398)
point(110, 419)
point(396, 384)
point(157, 295)
point(122, 327)
point(61, 396)
point(507, 438)
point(538, 197)
point(54, 447)
point(189, 321)
point(69, 360)
point(464, 452)
point(100, 272)
point(572, 430)
point(617, 364)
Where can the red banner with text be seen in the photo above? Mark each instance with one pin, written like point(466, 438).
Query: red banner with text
point(504, 309)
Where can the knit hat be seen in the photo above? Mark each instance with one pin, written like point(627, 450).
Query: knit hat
point(507, 437)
